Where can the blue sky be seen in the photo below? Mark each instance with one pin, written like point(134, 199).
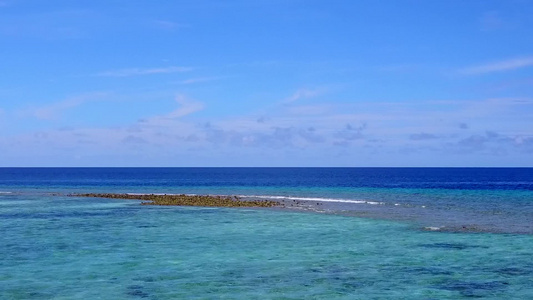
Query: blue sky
point(266, 83)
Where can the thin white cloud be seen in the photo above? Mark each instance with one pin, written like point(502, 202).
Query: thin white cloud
point(511, 101)
point(188, 107)
point(139, 71)
point(501, 66)
point(302, 94)
point(198, 80)
point(54, 110)
point(318, 109)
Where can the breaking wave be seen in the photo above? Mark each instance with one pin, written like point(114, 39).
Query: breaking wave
point(313, 199)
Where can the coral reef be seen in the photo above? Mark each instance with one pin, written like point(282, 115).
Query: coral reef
point(186, 200)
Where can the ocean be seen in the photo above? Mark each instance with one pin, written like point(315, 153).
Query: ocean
point(346, 233)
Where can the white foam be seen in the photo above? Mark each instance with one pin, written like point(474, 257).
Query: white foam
point(6, 192)
point(432, 228)
point(314, 199)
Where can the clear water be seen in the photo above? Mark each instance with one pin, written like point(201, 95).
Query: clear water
point(58, 247)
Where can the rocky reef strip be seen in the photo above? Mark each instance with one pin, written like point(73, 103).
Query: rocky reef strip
point(187, 200)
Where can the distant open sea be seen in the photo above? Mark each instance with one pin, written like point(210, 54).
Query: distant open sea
point(346, 233)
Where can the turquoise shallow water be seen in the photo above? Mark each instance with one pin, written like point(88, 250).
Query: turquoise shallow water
point(56, 247)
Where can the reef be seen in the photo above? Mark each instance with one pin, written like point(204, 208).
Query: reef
point(187, 200)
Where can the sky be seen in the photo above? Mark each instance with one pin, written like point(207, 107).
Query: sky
point(296, 83)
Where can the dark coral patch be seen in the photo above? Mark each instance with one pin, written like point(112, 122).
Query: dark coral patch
point(187, 200)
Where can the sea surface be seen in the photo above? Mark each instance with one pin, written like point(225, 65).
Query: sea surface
point(346, 233)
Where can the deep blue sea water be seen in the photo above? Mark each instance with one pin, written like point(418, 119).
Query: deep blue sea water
point(351, 233)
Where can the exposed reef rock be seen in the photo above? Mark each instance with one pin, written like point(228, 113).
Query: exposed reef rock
point(187, 200)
